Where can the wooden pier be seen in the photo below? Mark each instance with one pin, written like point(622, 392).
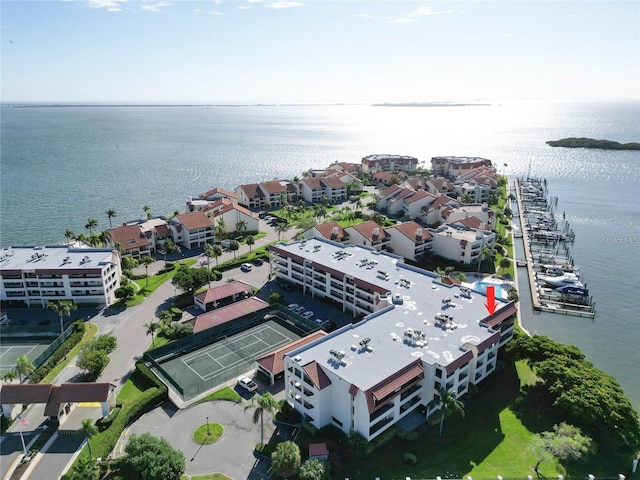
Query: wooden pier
point(551, 305)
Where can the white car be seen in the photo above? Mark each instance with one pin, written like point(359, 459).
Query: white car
point(293, 306)
point(248, 384)
point(308, 314)
point(299, 309)
point(246, 267)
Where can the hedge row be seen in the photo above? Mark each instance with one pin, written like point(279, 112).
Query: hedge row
point(105, 442)
point(60, 353)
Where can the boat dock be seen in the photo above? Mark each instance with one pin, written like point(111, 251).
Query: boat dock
point(545, 248)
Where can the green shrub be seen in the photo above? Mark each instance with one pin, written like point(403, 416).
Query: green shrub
point(409, 458)
point(105, 422)
point(411, 436)
point(309, 428)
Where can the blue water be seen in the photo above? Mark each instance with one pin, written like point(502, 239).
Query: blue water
point(482, 288)
point(62, 165)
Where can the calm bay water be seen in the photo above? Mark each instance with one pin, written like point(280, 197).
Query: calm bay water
point(62, 165)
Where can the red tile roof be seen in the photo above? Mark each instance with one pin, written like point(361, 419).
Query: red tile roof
point(194, 220)
point(327, 231)
point(274, 361)
point(318, 450)
point(366, 229)
point(333, 182)
point(318, 377)
point(251, 190)
point(24, 393)
point(501, 315)
point(313, 183)
point(218, 191)
point(418, 196)
point(224, 291)
point(411, 230)
point(128, 236)
point(274, 187)
point(472, 222)
point(227, 314)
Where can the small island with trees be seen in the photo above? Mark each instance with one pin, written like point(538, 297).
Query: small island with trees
point(583, 142)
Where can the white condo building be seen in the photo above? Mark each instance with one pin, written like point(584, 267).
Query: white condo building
point(39, 275)
point(417, 335)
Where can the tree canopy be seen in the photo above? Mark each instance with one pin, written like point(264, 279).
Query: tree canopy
point(191, 279)
point(152, 458)
point(585, 396)
point(285, 461)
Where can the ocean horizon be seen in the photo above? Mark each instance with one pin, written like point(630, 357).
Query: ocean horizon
point(64, 164)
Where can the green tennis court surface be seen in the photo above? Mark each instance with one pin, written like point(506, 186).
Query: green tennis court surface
point(226, 359)
point(10, 351)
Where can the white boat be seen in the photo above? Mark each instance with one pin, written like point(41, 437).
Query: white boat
point(566, 278)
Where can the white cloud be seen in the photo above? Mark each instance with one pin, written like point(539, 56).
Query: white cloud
point(422, 11)
point(109, 5)
point(244, 7)
point(283, 4)
point(215, 12)
point(254, 1)
point(155, 7)
point(365, 15)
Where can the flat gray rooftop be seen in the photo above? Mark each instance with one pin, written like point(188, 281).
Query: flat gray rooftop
point(391, 348)
point(58, 257)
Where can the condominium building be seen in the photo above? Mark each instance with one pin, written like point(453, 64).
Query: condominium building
point(390, 163)
point(39, 275)
point(454, 166)
point(417, 335)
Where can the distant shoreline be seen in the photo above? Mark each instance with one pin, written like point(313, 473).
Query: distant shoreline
point(431, 104)
point(583, 142)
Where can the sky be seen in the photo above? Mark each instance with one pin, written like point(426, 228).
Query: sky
point(315, 51)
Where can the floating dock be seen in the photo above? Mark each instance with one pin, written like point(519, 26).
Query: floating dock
point(544, 245)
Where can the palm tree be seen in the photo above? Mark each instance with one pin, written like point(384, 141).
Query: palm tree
point(111, 213)
point(146, 261)
point(88, 429)
point(250, 241)
point(68, 234)
point(262, 403)
point(281, 228)
point(208, 251)
point(485, 251)
point(23, 367)
point(147, 210)
point(241, 226)
point(91, 224)
point(234, 246)
point(216, 251)
point(505, 262)
point(165, 317)
point(448, 403)
point(220, 228)
point(63, 308)
point(9, 376)
point(151, 330)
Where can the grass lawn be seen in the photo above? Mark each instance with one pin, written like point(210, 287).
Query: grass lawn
point(225, 393)
point(208, 434)
point(154, 281)
point(90, 331)
point(492, 439)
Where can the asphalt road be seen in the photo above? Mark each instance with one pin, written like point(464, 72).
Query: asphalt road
point(233, 454)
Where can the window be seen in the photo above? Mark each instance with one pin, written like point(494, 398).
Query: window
point(336, 421)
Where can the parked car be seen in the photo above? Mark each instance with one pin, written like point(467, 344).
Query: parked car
point(299, 309)
point(258, 261)
point(246, 267)
point(292, 306)
point(248, 384)
point(308, 314)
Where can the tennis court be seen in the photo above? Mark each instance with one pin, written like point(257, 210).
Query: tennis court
point(9, 353)
point(226, 359)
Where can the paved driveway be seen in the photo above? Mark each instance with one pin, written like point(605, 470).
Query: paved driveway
point(231, 455)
